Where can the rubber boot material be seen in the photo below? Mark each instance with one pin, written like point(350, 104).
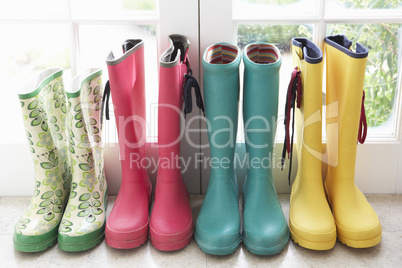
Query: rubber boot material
point(357, 223)
point(218, 225)
point(310, 219)
point(43, 104)
point(83, 223)
point(128, 222)
point(265, 230)
point(171, 225)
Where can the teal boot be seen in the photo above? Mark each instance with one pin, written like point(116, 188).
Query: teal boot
point(43, 104)
point(218, 225)
point(265, 231)
point(83, 223)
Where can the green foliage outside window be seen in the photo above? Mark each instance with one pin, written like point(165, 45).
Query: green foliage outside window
point(382, 39)
point(381, 79)
point(279, 35)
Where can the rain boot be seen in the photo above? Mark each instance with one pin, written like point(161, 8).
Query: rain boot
point(357, 224)
point(311, 222)
point(265, 230)
point(83, 223)
point(218, 225)
point(171, 226)
point(127, 224)
point(43, 104)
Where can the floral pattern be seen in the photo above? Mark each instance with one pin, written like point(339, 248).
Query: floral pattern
point(85, 211)
point(47, 142)
point(64, 135)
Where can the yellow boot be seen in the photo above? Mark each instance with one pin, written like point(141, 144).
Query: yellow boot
point(357, 223)
point(310, 220)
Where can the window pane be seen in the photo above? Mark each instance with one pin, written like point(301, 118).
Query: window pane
point(102, 9)
point(28, 50)
point(260, 9)
point(382, 69)
point(96, 41)
point(38, 9)
point(281, 36)
point(366, 4)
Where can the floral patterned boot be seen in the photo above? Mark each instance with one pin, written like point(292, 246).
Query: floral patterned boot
point(83, 223)
point(43, 104)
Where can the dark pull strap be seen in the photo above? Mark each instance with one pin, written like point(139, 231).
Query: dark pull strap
point(293, 96)
point(189, 83)
point(105, 100)
point(363, 123)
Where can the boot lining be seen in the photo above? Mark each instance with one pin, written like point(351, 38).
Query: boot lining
point(221, 54)
point(262, 53)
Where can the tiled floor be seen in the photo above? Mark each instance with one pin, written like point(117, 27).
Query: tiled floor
point(387, 254)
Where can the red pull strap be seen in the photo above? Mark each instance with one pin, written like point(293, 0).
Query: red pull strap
point(294, 88)
point(293, 96)
point(363, 123)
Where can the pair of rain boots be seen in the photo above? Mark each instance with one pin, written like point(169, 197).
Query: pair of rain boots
point(352, 220)
point(170, 225)
point(218, 229)
point(64, 135)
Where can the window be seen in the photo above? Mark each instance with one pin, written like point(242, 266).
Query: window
point(76, 34)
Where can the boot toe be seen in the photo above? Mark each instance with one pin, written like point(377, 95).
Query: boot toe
point(170, 235)
point(218, 241)
point(360, 228)
point(267, 240)
point(311, 236)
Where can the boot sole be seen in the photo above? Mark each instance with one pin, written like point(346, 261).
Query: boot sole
point(262, 250)
point(87, 241)
point(172, 246)
point(81, 243)
point(368, 243)
point(24, 247)
point(326, 245)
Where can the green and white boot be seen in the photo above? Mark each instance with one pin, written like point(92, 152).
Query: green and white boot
point(83, 223)
point(43, 104)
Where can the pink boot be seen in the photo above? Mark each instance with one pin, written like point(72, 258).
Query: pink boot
point(127, 225)
point(171, 226)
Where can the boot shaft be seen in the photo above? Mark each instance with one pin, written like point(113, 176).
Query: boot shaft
point(308, 58)
point(127, 87)
point(260, 103)
point(173, 67)
point(221, 94)
point(85, 130)
point(345, 71)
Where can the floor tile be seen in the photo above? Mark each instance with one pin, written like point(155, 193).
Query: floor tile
point(389, 210)
point(386, 254)
point(11, 209)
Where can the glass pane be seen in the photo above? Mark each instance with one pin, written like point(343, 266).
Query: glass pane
point(38, 9)
point(111, 8)
point(29, 49)
point(381, 81)
point(260, 9)
point(281, 36)
point(366, 4)
point(96, 41)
